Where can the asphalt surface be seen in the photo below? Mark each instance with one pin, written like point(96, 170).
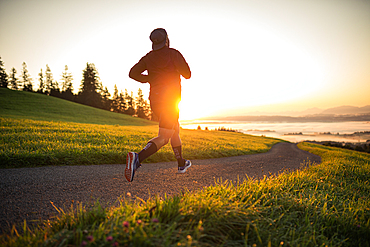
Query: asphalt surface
point(30, 193)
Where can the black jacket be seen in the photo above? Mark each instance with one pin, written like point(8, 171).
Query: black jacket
point(164, 68)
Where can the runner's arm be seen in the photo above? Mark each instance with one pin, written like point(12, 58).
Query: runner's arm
point(137, 70)
point(182, 66)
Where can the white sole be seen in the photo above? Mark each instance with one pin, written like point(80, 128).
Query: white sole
point(130, 165)
point(183, 171)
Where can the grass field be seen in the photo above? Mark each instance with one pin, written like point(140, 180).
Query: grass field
point(39, 130)
point(323, 205)
point(29, 143)
point(34, 106)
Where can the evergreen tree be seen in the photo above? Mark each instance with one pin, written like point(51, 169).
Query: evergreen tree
point(3, 75)
point(67, 80)
point(67, 86)
point(91, 88)
point(106, 101)
point(48, 80)
point(26, 78)
point(129, 99)
point(142, 106)
point(116, 100)
point(52, 87)
point(41, 83)
point(122, 106)
point(147, 110)
point(14, 82)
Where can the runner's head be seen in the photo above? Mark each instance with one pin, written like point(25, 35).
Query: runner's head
point(159, 39)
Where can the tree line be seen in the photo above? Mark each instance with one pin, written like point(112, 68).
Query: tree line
point(91, 91)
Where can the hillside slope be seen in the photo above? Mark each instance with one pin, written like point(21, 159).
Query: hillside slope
point(26, 105)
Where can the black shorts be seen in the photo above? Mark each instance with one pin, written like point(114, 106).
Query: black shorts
point(167, 113)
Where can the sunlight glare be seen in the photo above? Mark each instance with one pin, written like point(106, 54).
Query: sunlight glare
point(235, 62)
point(256, 67)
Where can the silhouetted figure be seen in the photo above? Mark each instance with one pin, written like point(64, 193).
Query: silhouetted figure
point(164, 66)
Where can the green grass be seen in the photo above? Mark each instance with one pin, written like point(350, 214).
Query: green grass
point(39, 130)
point(322, 205)
point(34, 106)
point(30, 143)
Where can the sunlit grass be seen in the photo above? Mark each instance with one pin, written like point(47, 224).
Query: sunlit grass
point(38, 143)
point(323, 205)
point(39, 130)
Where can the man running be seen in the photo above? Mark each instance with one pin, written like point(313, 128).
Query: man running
point(164, 66)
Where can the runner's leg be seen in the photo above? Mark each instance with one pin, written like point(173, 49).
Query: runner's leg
point(163, 137)
point(156, 143)
point(176, 146)
point(168, 129)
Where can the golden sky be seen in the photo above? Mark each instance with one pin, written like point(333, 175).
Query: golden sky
point(247, 55)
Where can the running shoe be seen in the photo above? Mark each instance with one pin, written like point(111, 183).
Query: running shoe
point(132, 164)
point(182, 169)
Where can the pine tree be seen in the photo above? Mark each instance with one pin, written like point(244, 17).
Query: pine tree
point(106, 101)
point(52, 87)
point(91, 88)
point(26, 78)
point(14, 82)
point(3, 75)
point(41, 82)
point(130, 104)
point(67, 86)
point(142, 106)
point(115, 100)
point(67, 79)
point(122, 104)
point(118, 101)
point(48, 80)
point(147, 110)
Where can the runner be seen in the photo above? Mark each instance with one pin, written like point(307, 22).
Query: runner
point(164, 66)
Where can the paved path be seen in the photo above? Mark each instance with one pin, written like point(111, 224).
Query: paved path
point(28, 193)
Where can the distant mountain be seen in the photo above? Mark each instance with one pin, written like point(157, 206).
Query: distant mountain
point(308, 118)
point(310, 111)
point(343, 110)
point(340, 110)
point(335, 114)
point(341, 113)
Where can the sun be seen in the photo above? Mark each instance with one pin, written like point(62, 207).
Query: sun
point(259, 68)
point(190, 110)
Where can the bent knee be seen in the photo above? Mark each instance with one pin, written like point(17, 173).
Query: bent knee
point(165, 140)
point(161, 140)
